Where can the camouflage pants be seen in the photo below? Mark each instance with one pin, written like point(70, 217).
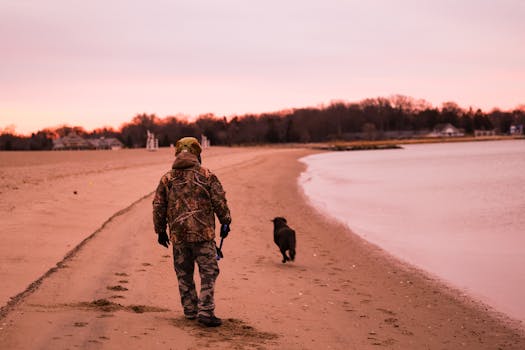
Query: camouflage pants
point(185, 255)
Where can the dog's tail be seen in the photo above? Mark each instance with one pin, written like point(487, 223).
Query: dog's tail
point(292, 246)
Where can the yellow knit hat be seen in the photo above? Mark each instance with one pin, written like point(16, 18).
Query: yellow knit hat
point(188, 143)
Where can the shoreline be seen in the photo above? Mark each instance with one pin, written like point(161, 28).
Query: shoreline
point(342, 292)
point(421, 242)
point(394, 143)
point(461, 295)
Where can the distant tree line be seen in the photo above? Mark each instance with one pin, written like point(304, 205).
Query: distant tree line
point(374, 118)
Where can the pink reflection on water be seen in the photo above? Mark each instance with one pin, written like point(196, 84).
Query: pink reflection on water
point(455, 210)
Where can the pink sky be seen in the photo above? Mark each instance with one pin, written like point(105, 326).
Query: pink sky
point(96, 63)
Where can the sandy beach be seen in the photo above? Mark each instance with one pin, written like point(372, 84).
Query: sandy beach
point(80, 266)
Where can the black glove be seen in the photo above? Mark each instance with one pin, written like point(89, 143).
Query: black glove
point(163, 239)
point(225, 228)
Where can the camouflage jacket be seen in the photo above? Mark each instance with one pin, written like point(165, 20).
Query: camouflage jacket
point(186, 200)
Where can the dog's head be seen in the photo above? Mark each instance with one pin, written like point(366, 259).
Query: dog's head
point(278, 222)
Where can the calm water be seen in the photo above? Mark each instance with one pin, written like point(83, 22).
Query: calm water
point(457, 210)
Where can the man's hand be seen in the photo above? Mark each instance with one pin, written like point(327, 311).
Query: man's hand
point(163, 239)
point(225, 228)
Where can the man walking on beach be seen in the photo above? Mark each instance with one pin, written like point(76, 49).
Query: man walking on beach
point(186, 200)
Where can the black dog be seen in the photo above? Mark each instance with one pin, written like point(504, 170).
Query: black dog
point(284, 237)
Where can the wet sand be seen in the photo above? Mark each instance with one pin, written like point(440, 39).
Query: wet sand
point(118, 289)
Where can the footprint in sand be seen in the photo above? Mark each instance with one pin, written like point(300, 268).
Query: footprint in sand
point(392, 321)
point(80, 324)
point(239, 334)
point(388, 312)
point(117, 297)
point(320, 282)
point(387, 342)
point(118, 288)
point(121, 274)
point(347, 306)
point(345, 283)
point(146, 264)
point(123, 281)
point(106, 306)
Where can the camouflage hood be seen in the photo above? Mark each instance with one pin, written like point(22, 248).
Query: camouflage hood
point(185, 160)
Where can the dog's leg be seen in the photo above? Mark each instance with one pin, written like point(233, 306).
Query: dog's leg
point(285, 257)
point(292, 245)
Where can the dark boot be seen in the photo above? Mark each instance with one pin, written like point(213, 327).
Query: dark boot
point(190, 316)
point(209, 321)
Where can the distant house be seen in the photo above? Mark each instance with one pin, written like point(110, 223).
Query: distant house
point(75, 142)
point(446, 130)
point(106, 143)
point(516, 129)
point(58, 145)
point(478, 133)
point(71, 142)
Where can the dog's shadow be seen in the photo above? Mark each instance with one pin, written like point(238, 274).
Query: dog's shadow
point(279, 265)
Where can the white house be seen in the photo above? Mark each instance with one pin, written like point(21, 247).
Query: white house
point(73, 141)
point(106, 143)
point(446, 130)
point(516, 129)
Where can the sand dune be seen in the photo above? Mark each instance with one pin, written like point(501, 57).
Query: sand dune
point(118, 290)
